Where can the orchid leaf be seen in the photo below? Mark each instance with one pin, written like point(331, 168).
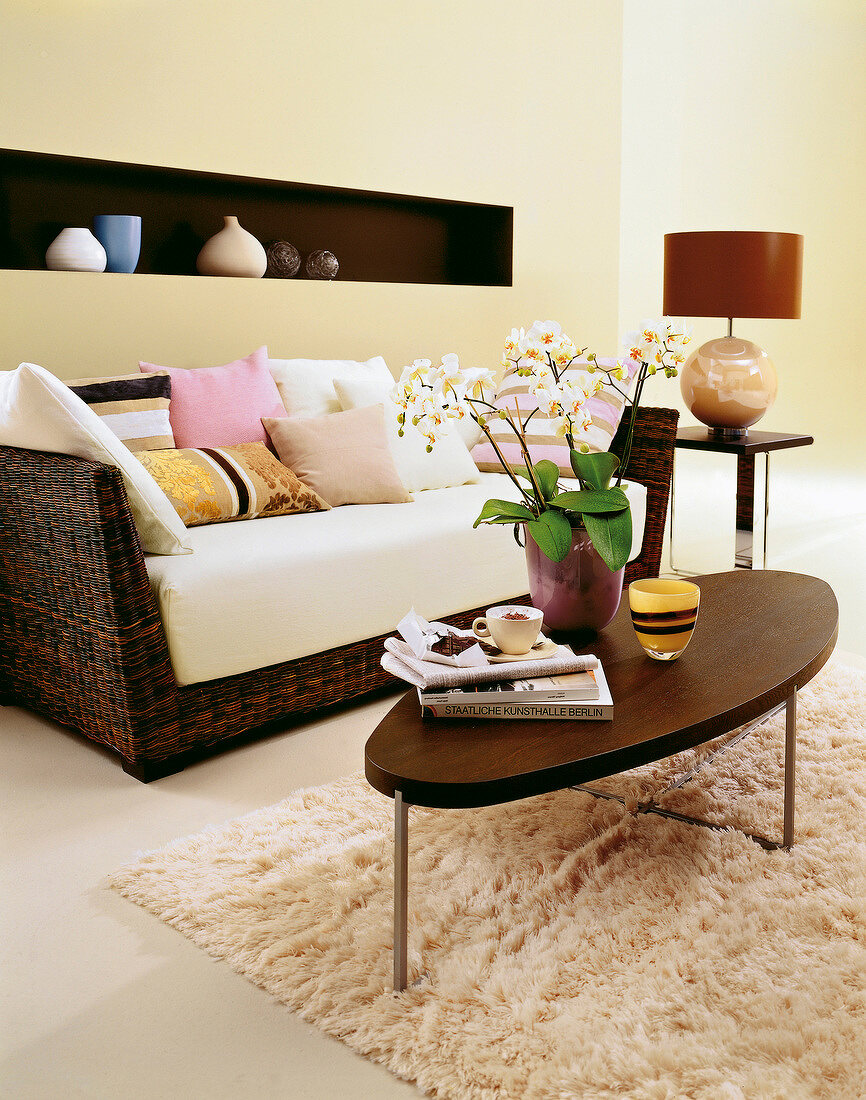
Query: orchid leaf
point(591, 501)
point(611, 536)
point(547, 476)
point(594, 469)
point(551, 533)
point(503, 511)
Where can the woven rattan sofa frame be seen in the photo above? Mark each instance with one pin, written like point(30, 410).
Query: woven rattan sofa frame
point(82, 640)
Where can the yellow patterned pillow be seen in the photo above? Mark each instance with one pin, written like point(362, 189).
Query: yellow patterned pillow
point(215, 484)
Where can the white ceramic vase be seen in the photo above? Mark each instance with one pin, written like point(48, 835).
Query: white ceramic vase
point(232, 251)
point(75, 249)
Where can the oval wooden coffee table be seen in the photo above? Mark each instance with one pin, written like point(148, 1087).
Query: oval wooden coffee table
point(761, 635)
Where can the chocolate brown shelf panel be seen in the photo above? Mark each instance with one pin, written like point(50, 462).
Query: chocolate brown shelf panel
point(376, 237)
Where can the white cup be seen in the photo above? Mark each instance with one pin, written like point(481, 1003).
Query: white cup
point(513, 628)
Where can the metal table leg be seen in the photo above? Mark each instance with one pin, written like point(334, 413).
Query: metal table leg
point(790, 768)
point(787, 841)
point(401, 890)
point(748, 534)
point(680, 572)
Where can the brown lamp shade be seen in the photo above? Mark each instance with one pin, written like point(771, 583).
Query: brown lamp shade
point(733, 274)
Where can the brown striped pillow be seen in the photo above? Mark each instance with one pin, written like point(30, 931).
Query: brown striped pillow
point(133, 406)
point(217, 484)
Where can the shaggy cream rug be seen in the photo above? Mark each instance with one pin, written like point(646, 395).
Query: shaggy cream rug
point(560, 946)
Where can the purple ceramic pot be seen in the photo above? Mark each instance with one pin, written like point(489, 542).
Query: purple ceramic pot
point(578, 593)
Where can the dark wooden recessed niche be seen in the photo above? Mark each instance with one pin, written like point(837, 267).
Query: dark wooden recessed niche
point(376, 237)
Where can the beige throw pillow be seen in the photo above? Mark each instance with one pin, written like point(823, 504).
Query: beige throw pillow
point(344, 457)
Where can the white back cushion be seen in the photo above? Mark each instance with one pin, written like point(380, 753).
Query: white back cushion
point(38, 412)
point(307, 385)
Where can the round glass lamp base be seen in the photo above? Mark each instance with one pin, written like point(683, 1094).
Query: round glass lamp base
point(728, 384)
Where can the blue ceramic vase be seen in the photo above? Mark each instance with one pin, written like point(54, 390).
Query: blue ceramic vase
point(120, 236)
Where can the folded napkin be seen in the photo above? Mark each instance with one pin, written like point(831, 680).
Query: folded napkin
point(425, 642)
point(400, 661)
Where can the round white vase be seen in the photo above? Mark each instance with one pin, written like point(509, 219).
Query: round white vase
point(75, 249)
point(232, 251)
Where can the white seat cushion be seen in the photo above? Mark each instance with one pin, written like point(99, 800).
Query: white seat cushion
point(269, 590)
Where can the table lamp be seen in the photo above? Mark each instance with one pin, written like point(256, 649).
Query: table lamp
point(729, 383)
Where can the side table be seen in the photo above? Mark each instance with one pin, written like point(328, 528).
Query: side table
point(748, 511)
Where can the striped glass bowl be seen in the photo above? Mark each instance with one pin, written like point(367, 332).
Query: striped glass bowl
point(664, 613)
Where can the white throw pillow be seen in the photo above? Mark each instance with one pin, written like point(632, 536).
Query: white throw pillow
point(468, 431)
point(39, 413)
point(449, 463)
point(307, 385)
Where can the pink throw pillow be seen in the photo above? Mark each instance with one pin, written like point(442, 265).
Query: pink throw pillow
point(221, 406)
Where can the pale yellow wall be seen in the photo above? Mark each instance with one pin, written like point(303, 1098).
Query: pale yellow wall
point(751, 114)
point(515, 103)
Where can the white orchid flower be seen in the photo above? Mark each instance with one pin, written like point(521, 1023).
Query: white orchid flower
point(545, 333)
point(418, 371)
point(413, 376)
point(564, 353)
point(592, 384)
point(450, 366)
point(573, 392)
point(400, 396)
point(511, 351)
point(561, 426)
point(679, 334)
point(531, 352)
point(551, 400)
point(541, 376)
point(576, 390)
point(658, 342)
point(428, 417)
point(479, 381)
point(643, 344)
point(447, 379)
point(430, 406)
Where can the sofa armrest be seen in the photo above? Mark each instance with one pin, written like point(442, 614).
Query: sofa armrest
point(651, 462)
point(81, 635)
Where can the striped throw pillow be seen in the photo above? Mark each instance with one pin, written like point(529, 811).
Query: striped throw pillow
point(606, 410)
point(133, 406)
point(217, 484)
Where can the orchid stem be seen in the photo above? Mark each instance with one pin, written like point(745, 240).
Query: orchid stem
point(526, 496)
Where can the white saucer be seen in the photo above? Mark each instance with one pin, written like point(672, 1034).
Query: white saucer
point(547, 649)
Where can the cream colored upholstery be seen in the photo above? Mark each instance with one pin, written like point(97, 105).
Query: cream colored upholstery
point(264, 591)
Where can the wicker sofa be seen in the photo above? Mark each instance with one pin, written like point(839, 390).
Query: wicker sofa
point(82, 639)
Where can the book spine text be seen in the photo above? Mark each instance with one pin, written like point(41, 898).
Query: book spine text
point(581, 712)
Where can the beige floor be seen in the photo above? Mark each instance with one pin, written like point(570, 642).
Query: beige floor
point(101, 1000)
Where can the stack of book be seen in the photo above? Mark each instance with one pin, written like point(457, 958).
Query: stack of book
point(582, 696)
point(456, 678)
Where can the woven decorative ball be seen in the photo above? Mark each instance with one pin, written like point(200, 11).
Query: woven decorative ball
point(284, 260)
point(322, 264)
